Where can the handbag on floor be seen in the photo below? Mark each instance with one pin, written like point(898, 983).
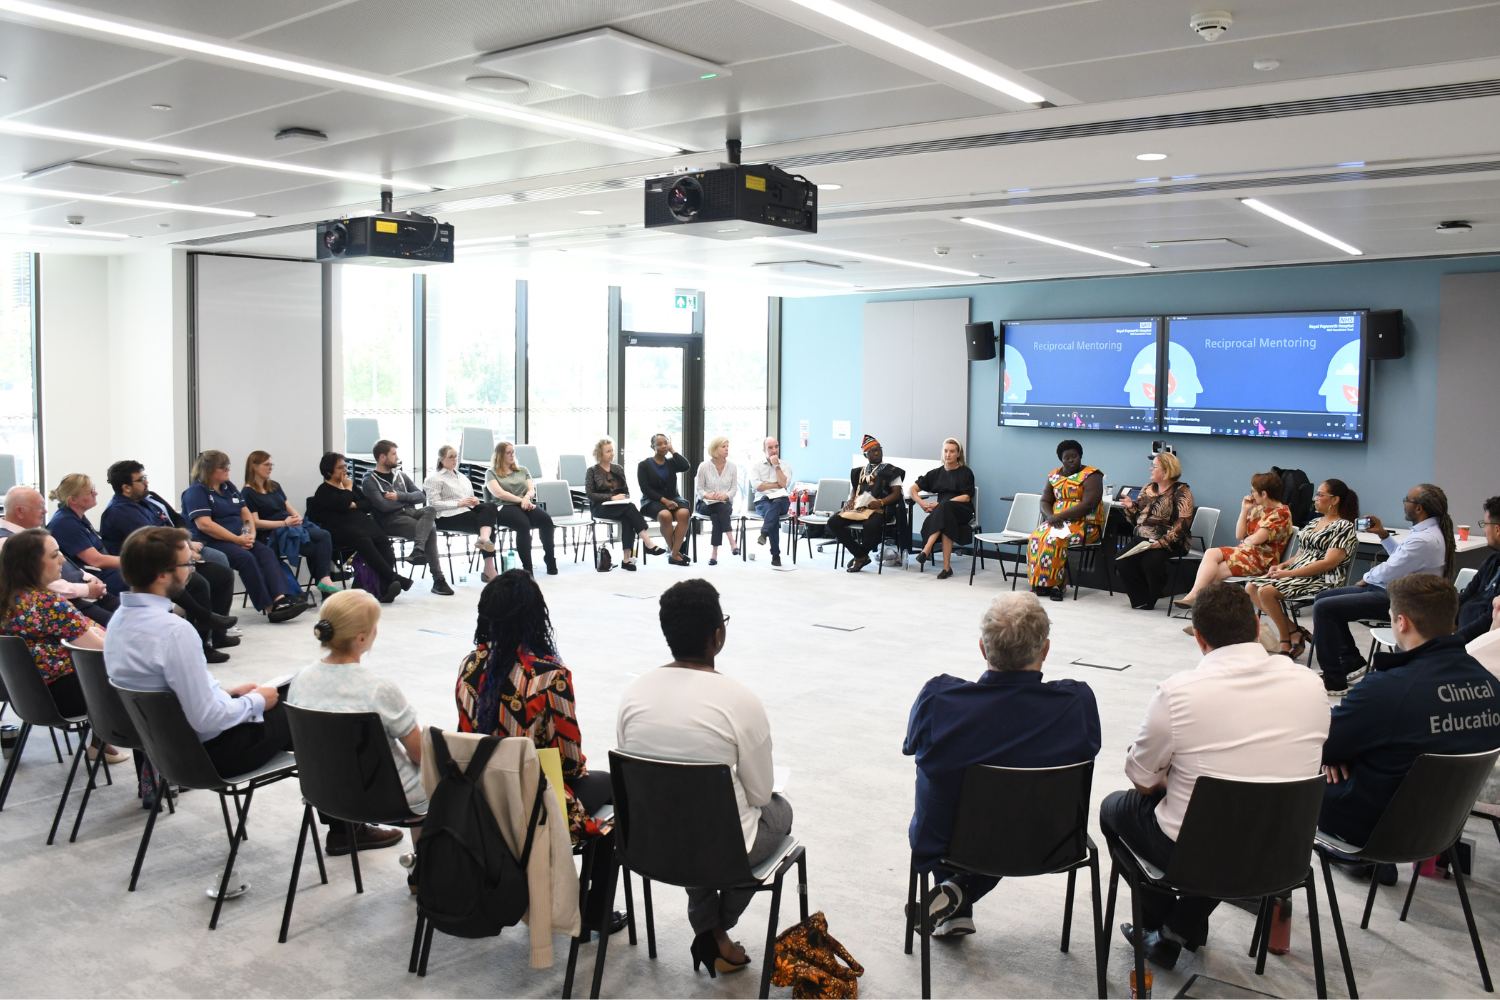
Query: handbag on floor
point(813, 963)
point(604, 561)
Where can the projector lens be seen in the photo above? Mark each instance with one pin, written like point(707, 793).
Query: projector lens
point(685, 199)
point(336, 239)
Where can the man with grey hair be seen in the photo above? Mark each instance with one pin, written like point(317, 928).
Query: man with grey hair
point(770, 491)
point(25, 508)
point(1009, 717)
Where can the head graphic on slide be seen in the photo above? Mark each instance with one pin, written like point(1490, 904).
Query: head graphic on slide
point(1015, 382)
point(1340, 388)
point(1182, 377)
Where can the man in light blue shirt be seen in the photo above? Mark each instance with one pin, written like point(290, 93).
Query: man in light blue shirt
point(1427, 548)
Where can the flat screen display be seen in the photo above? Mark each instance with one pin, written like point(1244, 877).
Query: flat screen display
point(1278, 375)
point(1080, 374)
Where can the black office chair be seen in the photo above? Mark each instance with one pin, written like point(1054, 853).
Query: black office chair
point(1239, 840)
point(988, 840)
point(1424, 819)
point(678, 823)
point(346, 771)
point(34, 706)
point(179, 759)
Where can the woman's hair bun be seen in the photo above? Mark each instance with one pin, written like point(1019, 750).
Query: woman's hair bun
point(323, 629)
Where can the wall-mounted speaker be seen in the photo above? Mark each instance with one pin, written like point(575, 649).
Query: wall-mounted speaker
point(1385, 334)
point(981, 337)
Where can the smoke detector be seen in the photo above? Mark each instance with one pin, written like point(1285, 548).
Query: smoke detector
point(1211, 24)
point(1456, 227)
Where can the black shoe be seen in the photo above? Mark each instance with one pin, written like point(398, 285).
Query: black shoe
point(628, 567)
point(1159, 950)
point(440, 586)
point(416, 556)
point(222, 622)
point(551, 567)
point(775, 560)
point(285, 610)
point(225, 641)
point(1058, 593)
point(338, 576)
point(922, 558)
point(945, 574)
point(367, 836)
point(713, 562)
point(405, 582)
point(391, 592)
point(655, 550)
point(855, 565)
point(213, 655)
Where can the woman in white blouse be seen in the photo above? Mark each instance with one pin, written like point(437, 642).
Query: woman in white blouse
point(450, 493)
point(716, 486)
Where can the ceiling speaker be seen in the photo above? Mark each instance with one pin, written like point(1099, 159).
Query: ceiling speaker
point(981, 337)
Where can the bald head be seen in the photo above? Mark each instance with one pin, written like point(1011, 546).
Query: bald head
point(772, 447)
point(24, 506)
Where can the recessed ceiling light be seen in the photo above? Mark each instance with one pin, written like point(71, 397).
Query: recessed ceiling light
point(1299, 225)
point(590, 211)
point(877, 258)
point(709, 76)
point(93, 139)
point(153, 163)
point(157, 38)
point(109, 199)
point(1150, 156)
point(830, 187)
point(1266, 65)
point(161, 107)
point(982, 224)
point(920, 48)
point(497, 84)
point(74, 231)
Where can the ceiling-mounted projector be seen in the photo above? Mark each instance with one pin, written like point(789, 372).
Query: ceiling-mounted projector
point(398, 239)
point(734, 202)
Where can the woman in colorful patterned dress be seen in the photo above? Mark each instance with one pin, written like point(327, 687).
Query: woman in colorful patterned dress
point(1071, 501)
point(1264, 525)
point(1325, 552)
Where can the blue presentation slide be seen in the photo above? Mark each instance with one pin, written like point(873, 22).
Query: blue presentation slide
point(1277, 375)
point(1097, 374)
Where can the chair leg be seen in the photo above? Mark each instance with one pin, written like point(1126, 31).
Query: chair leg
point(13, 763)
point(650, 921)
point(629, 907)
point(55, 749)
point(1109, 908)
point(78, 755)
point(140, 852)
point(1320, 977)
point(359, 883)
point(416, 945)
point(1463, 897)
point(1364, 923)
point(234, 850)
point(1068, 912)
point(600, 952)
point(1138, 940)
point(769, 961)
point(926, 931)
point(802, 884)
point(291, 889)
point(1416, 871)
point(1338, 927)
point(911, 904)
point(426, 949)
point(93, 770)
point(318, 853)
point(1101, 939)
point(1265, 936)
point(1260, 918)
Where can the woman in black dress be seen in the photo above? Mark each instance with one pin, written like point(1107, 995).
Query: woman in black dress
point(950, 515)
point(662, 499)
point(336, 507)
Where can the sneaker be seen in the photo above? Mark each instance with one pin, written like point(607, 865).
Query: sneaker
point(954, 927)
point(391, 592)
point(943, 901)
point(760, 539)
point(1337, 692)
point(1357, 673)
point(367, 836)
point(416, 556)
point(440, 586)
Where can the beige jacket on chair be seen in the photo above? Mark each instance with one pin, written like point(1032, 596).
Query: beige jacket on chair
point(510, 783)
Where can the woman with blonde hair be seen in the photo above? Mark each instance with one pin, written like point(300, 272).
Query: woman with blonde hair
point(450, 493)
point(609, 500)
point(76, 537)
point(949, 505)
point(286, 531)
point(512, 486)
point(716, 485)
point(1160, 518)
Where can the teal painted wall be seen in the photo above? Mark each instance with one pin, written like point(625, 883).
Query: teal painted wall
point(822, 357)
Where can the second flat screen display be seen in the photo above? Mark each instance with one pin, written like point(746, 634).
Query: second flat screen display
point(1095, 374)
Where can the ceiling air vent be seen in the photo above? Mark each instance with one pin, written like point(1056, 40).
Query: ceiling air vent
point(100, 178)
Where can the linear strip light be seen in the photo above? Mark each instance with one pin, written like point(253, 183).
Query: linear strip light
point(98, 234)
point(837, 252)
point(670, 265)
point(162, 149)
point(925, 50)
point(1299, 225)
point(982, 224)
point(110, 199)
point(358, 81)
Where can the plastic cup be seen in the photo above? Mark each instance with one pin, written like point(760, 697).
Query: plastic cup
point(1463, 532)
point(1137, 994)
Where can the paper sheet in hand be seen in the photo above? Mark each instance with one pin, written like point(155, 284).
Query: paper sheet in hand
point(1134, 550)
point(775, 494)
point(551, 761)
point(613, 503)
point(779, 777)
point(1060, 532)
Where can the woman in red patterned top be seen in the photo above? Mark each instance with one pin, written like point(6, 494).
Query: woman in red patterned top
point(30, 562)
point(1263, 529)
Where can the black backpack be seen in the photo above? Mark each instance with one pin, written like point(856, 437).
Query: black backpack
point(469, 884)
point(1296, 493)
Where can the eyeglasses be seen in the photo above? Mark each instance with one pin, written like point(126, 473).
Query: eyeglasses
point(140, 480)
point(1409, 500)
point(186, 565)
point(1489, 524)
point(726, 619)
point(1320, 493)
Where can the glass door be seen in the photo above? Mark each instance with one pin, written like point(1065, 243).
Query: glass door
point(662, 391)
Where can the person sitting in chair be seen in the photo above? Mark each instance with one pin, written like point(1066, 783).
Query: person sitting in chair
point(874, 489)
point(1010, 717)
point(1071, 515)
point(950, 514)
point(1161, 518)
point(395, 500)
point(770, 479)
point(661, 498)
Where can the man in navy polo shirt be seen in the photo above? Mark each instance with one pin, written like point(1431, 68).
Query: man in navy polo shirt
point(1010, 717)
point(1429, 696)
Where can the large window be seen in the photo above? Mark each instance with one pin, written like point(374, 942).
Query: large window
point(567, 358)
point(471, 353)
point(734, 371)
point(375, 320)
point(18, 431)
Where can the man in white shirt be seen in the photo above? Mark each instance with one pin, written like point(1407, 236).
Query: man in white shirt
point(1240, 714)
point(25, 508)
point(770, 480)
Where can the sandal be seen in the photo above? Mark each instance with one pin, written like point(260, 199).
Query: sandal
point(1298, 644)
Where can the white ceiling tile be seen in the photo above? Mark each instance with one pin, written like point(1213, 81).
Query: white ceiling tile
point(343, 116)
point(42, 66)
point(936, 12)
point(219, 18)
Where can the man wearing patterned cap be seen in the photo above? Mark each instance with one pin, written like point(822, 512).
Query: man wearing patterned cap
point(875, 499)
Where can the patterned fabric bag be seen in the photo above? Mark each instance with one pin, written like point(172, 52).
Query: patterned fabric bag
point(814, 964)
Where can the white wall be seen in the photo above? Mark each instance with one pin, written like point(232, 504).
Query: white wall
point(148, 365)
point(77, 400)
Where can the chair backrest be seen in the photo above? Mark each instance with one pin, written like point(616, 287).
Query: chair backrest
point(573, 469)
point(1430, 807)
point(360, 435)
point(1465, 575)
point(554, 496)
point(107, 715)
point(527, 455)
point(677, 822)
point(476, 444)
point(24, 686)
point(1246, 839)
point(7, 473)
point(1025, 512)
point(990, 834)
point(832, 495)
point(1203, 528)
point(345, 766)
point(168, 739)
